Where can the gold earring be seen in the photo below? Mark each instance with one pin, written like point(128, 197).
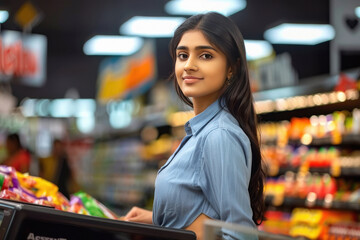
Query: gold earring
point(228, 81)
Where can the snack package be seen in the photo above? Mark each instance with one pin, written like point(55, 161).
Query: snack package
point(23, 187)
point(62, 201)
point(94, 207)
point(90, 204)
point(76, 206)
point(38, 186)
point(4, 181)
point(108, 213)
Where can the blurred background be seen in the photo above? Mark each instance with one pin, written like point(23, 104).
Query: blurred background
point(83, 84)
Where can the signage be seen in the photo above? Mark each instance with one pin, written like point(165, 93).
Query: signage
point(27, 15)
point(23, 58)
point(126, 77)
point(347, 26)
point(32, 236)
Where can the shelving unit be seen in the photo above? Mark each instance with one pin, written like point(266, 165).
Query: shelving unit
point(113, 171)
point(293, 186)
point(345, 171)
point(292, 202)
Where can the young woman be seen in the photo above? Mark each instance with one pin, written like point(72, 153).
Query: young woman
point(216, 172)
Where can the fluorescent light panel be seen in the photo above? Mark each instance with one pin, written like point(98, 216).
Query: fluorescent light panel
point(191, 7)
point(302, 34)
point(357, 11)
point(112, 45)
point(4, 15)
point(151, 26)
point(62, 108)
point(257, 49)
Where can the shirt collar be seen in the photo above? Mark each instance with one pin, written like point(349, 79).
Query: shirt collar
point(194, 125)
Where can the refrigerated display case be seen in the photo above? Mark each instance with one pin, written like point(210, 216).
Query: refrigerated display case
point(20, 220)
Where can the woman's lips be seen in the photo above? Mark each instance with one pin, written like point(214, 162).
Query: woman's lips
point(191, 79)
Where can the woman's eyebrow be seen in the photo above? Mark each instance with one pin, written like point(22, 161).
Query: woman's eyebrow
point(197, 48)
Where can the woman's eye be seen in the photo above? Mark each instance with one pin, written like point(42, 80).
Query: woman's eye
point(206, 56)
point(182, 56)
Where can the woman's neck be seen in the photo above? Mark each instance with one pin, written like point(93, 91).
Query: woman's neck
point(200, 104)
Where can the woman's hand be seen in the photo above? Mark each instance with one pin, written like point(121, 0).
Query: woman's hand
point(139, 215)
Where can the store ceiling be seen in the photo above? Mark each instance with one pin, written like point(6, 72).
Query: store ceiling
point(69, 23)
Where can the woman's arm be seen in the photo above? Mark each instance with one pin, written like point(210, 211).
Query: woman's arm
point(198, 226)
point(225, 175)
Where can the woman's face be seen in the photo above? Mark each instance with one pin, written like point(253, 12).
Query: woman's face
point(201, 69)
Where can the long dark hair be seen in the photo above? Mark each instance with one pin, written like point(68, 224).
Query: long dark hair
point(225, 35)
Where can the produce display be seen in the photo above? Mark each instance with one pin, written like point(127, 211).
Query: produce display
point(31, 189)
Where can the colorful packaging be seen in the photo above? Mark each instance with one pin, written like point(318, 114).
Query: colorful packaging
point(23, 187)
point(90, 204)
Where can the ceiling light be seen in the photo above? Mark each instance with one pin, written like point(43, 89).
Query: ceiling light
point(85, 124)
point(151, 26)
point(62, 108)
point(190, 7)
point(112, 45)
point(4, 15)
point(302, 34)
point(357, 11)
point(256, 49)
point(84, 107)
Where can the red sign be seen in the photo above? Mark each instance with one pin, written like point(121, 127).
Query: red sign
point(15, 60)
point(22, 57)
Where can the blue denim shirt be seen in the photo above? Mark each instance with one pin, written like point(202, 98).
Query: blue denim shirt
point(209, 173)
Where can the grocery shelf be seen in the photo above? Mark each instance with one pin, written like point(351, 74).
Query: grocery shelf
point(345, 171)
point(348, 139)
point(312, 85)
point(277, 105)
point(319, 203)
point(283, 170)
point(351, 139)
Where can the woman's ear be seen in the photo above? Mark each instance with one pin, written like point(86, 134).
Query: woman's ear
point(229, 73)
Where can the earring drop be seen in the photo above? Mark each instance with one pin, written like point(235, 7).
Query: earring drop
point(228, 81)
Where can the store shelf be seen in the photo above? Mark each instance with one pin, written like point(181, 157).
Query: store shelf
point(277, 105)
point(312, 85)
point(283, 170)
point(346, 140)
point(345, 171)
point(300, 202)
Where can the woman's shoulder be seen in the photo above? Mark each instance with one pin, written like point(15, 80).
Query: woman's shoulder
point(224, 121)
point(225, 126)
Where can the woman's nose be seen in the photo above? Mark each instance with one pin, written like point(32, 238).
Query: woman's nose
point(190, 65)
